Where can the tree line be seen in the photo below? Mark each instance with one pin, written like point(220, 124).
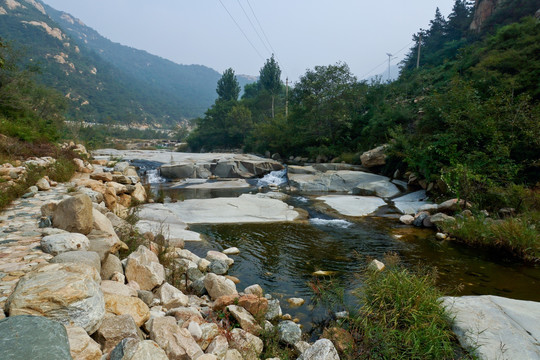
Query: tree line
point(470, 108)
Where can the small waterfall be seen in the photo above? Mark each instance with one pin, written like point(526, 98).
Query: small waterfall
point(153, 177)
point(275, 178)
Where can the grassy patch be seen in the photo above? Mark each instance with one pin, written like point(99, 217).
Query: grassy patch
point(518, 236)
point(398, 316)
point(62, 170)
point(401, 317)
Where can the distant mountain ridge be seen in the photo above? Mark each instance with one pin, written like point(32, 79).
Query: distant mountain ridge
point(106, 81)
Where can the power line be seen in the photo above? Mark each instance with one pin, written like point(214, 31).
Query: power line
point(266, 37)
point(258, 22)
point(241, 30)
point(253, 26)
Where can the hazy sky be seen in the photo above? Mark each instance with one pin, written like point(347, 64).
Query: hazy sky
point(303, 33)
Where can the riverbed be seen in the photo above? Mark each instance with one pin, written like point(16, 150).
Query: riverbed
point(283, 257)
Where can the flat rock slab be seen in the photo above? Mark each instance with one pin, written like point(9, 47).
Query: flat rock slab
point(411, 203)
point(244, 209)
point(496, 327)
point(353, 205)
point(170, 231)
point(341, 181)
point(212, 184)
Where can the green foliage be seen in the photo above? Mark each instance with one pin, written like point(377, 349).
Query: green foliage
point(401, 317)
point(517, 236)
point(228, 88)
point(62, 170)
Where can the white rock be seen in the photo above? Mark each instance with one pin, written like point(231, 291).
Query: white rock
point(171, 297)
point(231, 251)
point(496, 327)
point(376, 265)
point(217, 286)
point(61, 243)
point(353, 205)
point(322, 349)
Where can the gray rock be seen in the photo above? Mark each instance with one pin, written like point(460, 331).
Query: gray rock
point(218, 267)
point(322, 349)
point(57, 244)
point(194, 274)
point(419, 220)
point(289, 332)
point(79, 257)
point(411, 203)
point(111, 265)
point(95, 196)
point(338, 181)
point(146, 296)
point(382, 188)
point(274, 310)
point(198, 287)
point(247, 344)
point(43, 185)
point(121, 166)
point(69, 293)
point(495, 327)
point(33, 337)
point(441, 218)
point(44, 222)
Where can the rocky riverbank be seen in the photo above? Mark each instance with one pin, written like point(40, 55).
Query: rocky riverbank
point(63, 283)
point(66, 289)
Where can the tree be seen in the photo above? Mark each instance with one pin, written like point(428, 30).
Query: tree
point(459, 20)
point(270, 79)
point(321, 105)
point(228, 87)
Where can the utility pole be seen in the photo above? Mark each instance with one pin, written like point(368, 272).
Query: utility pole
point(389, 59)
point(419, 49)
point(287, 98)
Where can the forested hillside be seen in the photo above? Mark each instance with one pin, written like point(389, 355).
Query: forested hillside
point(106, 82)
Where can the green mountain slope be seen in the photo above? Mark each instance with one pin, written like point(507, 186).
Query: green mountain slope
point(106, 82)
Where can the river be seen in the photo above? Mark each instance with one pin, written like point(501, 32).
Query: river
point(282, 257)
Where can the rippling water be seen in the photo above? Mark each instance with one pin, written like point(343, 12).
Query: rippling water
point(283, 257)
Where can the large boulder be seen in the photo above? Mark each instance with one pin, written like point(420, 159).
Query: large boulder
point(33, 337)
point(113, 329)
point(61, 243)
point(117, 288)
point(69, 293)
point(494, 327)
point(177, 342)
point(322, 349)
point(74, 214)
point(79, 257)
point(341, 181)
point(374, 157)
point(102, 223)
point(127, 305)
point(217, 286)
point(82, 346)
point(143, 267)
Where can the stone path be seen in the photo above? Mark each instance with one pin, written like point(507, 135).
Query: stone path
point(20, 238)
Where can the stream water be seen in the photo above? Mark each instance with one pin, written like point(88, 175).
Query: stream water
point(282, 257)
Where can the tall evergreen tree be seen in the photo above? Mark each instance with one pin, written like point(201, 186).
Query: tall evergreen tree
point(228, 87)
point(270, 79)
point(459, 20)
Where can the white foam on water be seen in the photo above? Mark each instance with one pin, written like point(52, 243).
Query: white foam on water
point(301, 199)
point(152, 177)
point(276, 178)
point(331, 222)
